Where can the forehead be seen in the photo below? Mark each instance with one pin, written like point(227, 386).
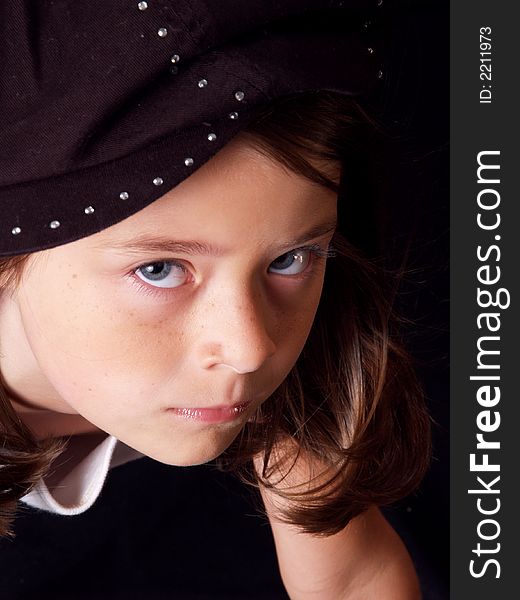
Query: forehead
point(239, 187)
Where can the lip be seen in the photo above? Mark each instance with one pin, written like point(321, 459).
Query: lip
point(215, 414)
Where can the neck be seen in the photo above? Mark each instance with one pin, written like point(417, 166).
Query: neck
point(49, 424)
point(32, 397)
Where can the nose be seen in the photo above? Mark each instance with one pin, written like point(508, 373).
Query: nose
point(235, 332)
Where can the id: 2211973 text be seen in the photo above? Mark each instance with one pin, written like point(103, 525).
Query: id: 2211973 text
point(485, 65)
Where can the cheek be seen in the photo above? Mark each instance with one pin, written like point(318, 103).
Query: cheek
point(90, 346)
point(297, 319)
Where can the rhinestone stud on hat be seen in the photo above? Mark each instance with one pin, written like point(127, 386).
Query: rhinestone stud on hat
point(158, 181)
point(123, 97)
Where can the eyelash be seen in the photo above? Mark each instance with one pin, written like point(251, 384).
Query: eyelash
point(317, 252)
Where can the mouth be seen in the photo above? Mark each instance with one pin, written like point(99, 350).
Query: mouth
point(215, 414)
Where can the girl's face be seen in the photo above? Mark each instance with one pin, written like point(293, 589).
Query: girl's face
point(155, 328)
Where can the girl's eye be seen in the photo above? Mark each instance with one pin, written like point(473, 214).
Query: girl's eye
point(163, 274)
point(169, 274)
point(291, 263)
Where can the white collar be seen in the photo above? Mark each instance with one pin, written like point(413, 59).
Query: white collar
point(76, 482)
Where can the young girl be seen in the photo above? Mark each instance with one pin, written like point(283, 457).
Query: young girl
point(207, 300)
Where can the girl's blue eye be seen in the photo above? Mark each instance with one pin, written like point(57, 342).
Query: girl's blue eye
point(169, 274)
point(291, 263)
point(163, 273)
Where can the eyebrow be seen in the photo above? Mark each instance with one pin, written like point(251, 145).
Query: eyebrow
point(152, 243)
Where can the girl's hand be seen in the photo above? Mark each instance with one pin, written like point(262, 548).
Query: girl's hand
point(365, 561)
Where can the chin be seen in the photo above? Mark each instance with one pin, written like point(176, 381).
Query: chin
point(190, 455)
point(188, 459)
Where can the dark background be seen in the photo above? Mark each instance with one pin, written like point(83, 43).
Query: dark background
point(416, 100)
point(194, 533)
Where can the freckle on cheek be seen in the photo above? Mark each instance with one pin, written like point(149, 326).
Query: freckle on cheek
point(156, 324)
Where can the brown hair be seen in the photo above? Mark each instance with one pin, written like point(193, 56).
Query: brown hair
point(23, 458)
point(352, 401)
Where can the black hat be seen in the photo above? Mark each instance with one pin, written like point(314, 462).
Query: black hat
point(105, 106)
